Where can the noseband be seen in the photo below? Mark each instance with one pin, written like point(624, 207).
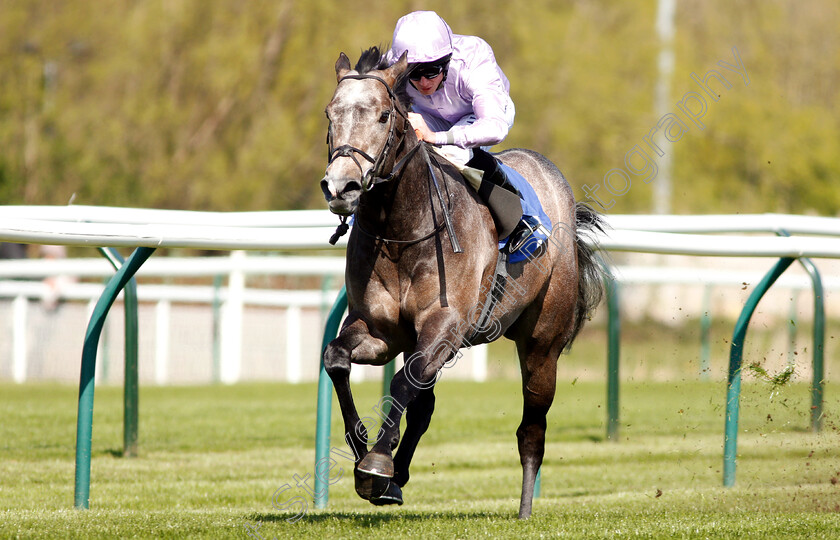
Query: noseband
point(374, 175)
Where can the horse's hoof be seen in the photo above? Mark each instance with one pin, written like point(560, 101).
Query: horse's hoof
point(393, 495)
point(377, 465)
point(369, 486)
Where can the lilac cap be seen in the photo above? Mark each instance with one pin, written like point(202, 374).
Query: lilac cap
point(424, 35)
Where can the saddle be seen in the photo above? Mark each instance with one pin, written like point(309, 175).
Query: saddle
point(513, 204)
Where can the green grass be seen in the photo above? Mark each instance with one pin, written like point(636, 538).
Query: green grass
point(211, 458)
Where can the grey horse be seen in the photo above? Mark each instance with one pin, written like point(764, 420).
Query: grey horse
point(409, 292)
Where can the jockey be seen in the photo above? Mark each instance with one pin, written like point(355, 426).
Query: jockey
point(461, 103)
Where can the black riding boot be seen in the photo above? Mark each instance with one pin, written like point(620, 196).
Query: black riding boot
point(498, 192)
point(492, 171)
point(506, 210)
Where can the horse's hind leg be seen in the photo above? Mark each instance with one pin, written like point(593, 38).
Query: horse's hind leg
point(539, 373)
point(418, 417)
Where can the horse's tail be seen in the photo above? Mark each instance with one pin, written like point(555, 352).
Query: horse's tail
point(591, 272)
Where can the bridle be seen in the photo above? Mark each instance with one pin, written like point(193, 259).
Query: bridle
point(373, 175)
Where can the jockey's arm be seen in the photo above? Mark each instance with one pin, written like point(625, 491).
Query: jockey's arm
point(482, 84)
point(490, 127)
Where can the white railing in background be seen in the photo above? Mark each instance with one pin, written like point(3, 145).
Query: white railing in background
point(310, 230)
point(176, 267)
point(234, 297)
point(706, 223)
point(737, 223)
point(21, 293)
point(136, 227)
point(234, 301)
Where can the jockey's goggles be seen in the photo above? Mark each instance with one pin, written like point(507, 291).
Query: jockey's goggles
point(430, 70)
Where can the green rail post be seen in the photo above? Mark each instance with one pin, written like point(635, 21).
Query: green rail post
point(613, 354)
point(730, 440)
point(818, 380)
point(131, 384)
point(131, 389)
point(105, 354)
point(84, 420)
point(794, 300)
point(322, 430)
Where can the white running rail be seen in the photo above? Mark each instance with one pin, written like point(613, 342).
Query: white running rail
point(311, 229)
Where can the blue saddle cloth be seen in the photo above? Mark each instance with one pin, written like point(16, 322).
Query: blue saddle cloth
point(530, 207)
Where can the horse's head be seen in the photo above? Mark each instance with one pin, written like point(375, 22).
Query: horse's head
point(363, 131)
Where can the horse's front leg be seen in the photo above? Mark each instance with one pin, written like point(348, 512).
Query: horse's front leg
point(418, 416)
point(435, 348)
point(354, 343)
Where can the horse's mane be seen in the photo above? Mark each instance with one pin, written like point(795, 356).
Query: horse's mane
point(374, 59)
point(371, 59)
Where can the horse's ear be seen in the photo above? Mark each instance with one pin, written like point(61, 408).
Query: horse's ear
point(342, 66)
point(397, 68)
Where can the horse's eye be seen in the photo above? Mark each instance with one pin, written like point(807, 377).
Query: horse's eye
point(384, 117)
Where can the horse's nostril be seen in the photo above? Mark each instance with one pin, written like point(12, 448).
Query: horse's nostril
point(342, 188)
point(351, 186)
point(326, 187)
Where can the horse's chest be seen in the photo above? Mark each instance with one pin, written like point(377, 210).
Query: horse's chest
point(399, 298)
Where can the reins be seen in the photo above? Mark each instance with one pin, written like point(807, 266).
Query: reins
point(373, 176)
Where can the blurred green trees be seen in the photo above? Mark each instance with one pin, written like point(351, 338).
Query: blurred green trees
point(218, 105)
